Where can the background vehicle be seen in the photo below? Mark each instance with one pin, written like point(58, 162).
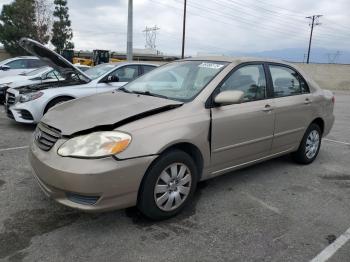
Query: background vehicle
point(19, 65)
point(151, 143)
point(27, 104)
point(36, 76)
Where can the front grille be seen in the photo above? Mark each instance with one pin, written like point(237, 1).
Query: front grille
point(46, 136)
point(26, 115)
point(10, 98)
point(80, 199)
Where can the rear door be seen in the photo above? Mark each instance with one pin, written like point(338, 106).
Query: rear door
point(243, 132)
point(293, 108)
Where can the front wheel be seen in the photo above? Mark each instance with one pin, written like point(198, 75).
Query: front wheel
point(309, 146)
point(168, 185)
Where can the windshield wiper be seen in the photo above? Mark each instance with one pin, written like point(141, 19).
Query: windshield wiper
point(148, 93)
point(123, 89)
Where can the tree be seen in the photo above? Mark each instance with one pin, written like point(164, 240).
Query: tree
point(43, 15)
point(61, 31)
point(17, 20)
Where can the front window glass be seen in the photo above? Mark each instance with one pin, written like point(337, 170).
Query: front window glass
point(99, 70)
point(180, 81)
point(126, 73)
point(18, 64)
point(250, 79)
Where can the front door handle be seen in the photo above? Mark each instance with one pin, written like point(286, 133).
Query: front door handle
point(307, 101)
point(267, 108)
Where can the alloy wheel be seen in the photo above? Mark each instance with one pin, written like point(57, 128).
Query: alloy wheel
point(312, 144)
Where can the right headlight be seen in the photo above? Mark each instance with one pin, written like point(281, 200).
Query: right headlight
point(30, 97)
point(95, 145)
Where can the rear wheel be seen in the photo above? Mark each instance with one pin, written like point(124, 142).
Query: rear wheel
point(309, 146)
point(168, 185)
point(55, 102)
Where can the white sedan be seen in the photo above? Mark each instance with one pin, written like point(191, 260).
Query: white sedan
point(27, 104)
point(19, 65)
point(37, 76)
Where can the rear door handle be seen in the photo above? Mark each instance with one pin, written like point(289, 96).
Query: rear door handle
point(307, 101)
point(267, 108)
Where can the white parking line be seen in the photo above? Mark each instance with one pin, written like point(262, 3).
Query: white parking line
point(336, 141)
point(329, 251)
point(264, 204)
point(13, 148)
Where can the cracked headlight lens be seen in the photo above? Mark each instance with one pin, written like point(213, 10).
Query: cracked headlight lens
point(94, 145)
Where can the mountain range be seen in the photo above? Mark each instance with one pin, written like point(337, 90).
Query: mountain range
point(317, 55)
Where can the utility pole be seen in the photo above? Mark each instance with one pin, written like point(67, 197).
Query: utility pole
point(314, 22)
point(129, 36)
point(184, 30)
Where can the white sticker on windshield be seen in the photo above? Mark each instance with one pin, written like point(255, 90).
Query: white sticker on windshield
point(210, 65)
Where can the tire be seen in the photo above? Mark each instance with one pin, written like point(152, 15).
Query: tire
point(312, 139)
point(55, 102)
point(162, 205)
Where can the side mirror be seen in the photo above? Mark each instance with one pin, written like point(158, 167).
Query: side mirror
point(112, 79)
point(5, 67)
point(229, 97)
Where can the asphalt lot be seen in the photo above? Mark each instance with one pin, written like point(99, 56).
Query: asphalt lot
point(274, 211)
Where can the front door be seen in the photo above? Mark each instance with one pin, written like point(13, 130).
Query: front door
point(125, 74)
point(243, 132)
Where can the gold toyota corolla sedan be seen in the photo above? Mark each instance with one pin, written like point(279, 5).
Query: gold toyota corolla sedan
point(151, 141)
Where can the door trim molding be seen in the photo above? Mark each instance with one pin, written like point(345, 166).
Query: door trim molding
point(289, 132)
point(220, 149)
point(252, 161)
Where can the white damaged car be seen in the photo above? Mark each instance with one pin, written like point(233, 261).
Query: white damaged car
point(27, 104)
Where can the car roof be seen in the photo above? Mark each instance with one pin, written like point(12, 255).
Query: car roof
point(132, 63)
point(236, 60)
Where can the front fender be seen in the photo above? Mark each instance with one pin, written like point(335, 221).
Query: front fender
point(153, 135)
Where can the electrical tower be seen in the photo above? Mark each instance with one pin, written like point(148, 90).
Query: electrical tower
point(151, 36)
point(314, 22)
point(332, 57)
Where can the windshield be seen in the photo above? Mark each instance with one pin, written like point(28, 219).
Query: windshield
point(99, 70)
point(180, 81)
point(37, 71)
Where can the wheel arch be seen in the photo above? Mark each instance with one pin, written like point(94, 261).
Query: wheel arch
point(189, 148)
point(193, 151)
point(70, 97)
point(320, 122)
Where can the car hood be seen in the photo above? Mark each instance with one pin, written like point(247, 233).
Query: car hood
point(11, 79)
point(103, 112)
point(51, 58)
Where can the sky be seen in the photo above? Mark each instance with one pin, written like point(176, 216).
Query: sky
point(215, 26)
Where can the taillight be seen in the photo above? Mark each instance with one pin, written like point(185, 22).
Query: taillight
point(333, 99)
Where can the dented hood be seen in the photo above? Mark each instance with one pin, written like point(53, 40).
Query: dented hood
point(104, 111)
point(51, 58)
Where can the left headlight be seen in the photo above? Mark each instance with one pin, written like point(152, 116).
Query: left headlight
point(94, 145)
point(30, 97)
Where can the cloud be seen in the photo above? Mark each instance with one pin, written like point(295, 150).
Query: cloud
point(217, 26)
